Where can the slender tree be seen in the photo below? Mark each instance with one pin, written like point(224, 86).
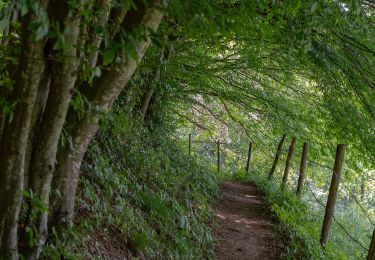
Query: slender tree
point(33, 153)
point(289, 161)
point(277, 155)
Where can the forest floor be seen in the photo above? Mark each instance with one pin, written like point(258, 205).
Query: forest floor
point(245, 226)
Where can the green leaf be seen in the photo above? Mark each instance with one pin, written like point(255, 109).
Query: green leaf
point(60, 42)
point(108, 56)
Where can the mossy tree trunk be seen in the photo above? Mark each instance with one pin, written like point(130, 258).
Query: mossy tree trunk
point(15, 135)
point(32, 155)
point(107, 89)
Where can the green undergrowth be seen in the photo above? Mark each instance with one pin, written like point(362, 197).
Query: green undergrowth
point(296, 220)
point(141, 193)
point(302, 222)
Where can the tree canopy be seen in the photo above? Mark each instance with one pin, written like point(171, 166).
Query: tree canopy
point(234, 70)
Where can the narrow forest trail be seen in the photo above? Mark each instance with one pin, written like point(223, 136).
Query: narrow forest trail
point(245, 225)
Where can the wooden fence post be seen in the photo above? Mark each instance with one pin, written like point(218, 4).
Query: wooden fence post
point(302, 169)
point(288, 161)
point(249, 158)
point(270, 175)
point(332, 196)
point(371, 252)
point(189, 144)
point(218, 155)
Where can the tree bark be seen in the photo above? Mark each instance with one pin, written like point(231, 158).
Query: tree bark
point(371, 252)
point(288, 161)
point(332, 195)
point(15, 137)
point(2, 124)
point(280, 146)
point(218, 155)
point(302, 169)
point(96, 38)
point(145, 103)
point(5, 30)
point(249, 158)
point(63, 76)
point(35, 121)
point(106, 90)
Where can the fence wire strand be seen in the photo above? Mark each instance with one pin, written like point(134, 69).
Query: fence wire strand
point(335, 220)
point(309, 186)
point(342, 181)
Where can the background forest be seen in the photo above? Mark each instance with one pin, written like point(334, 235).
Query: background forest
point(98, 99)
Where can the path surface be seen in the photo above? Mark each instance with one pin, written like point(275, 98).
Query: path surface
point(245, 225)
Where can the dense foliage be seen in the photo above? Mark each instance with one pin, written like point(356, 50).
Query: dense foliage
point(232, 71)
point(140, 195)
point(302, 221)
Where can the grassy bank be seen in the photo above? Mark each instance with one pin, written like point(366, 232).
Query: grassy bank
point(140, 196)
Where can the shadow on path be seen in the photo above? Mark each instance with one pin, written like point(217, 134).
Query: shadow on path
point(245, 225)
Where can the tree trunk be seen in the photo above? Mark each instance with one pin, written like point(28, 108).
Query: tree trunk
point(218, 154)
point(332, 195)
point(145, 103)
point(371, 252)
point(106, 90)
point(249, 158)
point(302, 169)
point(63, 76)
point(15, 137)
point(97, 38)
point(39, 106)
point(2, 124)
point(279, 147)
point(5, 30)
point(288, 161)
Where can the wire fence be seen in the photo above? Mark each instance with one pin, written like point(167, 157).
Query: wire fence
point(231, 159)
point(342, 226)
point(349, 191)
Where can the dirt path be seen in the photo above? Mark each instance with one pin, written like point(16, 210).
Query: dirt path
point(245, 229)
